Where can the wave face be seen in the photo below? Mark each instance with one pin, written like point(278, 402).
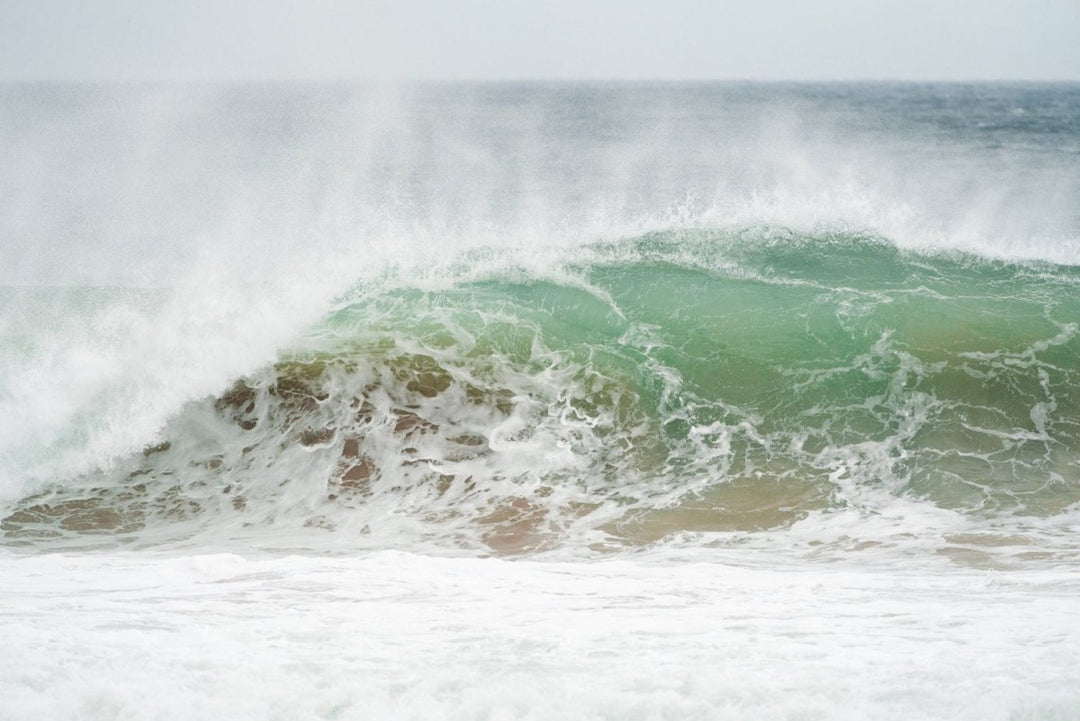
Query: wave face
point(540, 401)
point(702, 383)
point(523, 318)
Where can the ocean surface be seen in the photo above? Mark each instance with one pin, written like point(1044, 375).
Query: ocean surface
point(540, 401)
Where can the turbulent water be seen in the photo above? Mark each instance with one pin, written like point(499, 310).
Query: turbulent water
point(540, 401)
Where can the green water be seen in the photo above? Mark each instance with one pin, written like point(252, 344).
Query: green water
point(688, 382)
point(947, 377)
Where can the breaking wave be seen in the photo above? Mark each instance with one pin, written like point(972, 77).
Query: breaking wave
point(681, 386)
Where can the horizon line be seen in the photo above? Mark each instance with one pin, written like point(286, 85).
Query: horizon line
point(538, 80)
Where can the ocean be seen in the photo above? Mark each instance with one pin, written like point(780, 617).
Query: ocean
point(540, 401)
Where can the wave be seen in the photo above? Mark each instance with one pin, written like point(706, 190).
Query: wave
point(693, 381)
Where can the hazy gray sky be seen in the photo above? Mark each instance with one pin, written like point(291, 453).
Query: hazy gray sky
point(505, 39)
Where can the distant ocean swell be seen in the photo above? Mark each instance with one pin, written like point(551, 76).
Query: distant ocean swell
point(676, 386)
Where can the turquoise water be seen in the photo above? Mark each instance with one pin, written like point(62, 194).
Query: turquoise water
point(682, 381)
point(540, 401)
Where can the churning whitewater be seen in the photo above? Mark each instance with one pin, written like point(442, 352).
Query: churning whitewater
point(540, 401)
point(688, 382)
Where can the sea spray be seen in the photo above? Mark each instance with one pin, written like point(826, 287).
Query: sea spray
point(540, 401)
point(703, 382)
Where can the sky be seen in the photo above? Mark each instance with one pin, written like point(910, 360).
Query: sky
point(209, 40)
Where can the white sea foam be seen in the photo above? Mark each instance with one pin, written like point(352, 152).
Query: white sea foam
point(239, 218)
point(397, 636)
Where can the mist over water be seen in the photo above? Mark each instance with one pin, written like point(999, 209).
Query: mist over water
point(330, 344)
point(178, 181)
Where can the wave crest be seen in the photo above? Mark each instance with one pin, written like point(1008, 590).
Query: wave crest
point(661, 386)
